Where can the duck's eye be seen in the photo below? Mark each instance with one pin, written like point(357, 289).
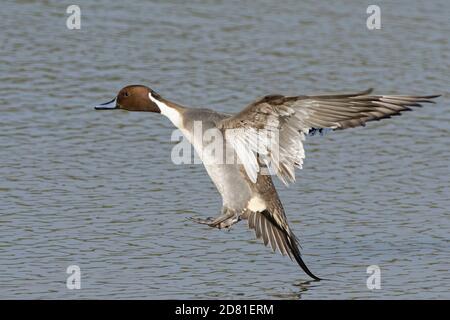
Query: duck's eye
point(126, 94)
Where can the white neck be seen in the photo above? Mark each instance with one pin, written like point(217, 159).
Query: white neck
point(171, 113)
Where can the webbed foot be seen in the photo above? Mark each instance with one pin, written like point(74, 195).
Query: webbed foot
point(221, 222)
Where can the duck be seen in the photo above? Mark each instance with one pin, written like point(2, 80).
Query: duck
point(264, 139)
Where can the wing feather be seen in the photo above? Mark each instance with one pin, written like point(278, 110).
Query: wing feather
point(271, 130)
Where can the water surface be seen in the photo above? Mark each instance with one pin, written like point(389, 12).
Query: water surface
point(98, 189)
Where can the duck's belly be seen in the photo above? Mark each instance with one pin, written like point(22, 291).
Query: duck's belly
point(231, 184)
point(223, 169)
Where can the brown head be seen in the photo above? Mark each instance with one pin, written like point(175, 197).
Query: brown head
point(133, 98)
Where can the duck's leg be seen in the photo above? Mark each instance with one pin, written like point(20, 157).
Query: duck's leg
point(225, 220)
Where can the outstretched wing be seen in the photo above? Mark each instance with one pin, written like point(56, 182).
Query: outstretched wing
point(270, 131)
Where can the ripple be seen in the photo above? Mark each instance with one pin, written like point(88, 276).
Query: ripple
point(98, 190)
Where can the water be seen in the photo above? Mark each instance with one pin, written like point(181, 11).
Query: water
point(98, 189)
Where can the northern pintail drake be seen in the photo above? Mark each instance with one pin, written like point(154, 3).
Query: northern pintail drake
point(266, 136)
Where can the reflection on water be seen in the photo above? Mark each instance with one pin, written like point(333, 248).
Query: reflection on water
point(98, 190)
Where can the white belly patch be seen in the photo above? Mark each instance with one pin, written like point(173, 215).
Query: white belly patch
point(256, 204)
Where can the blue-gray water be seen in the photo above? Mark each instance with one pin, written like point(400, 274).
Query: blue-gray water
point(98, 189)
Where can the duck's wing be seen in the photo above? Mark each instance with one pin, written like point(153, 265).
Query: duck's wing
point(274, 127)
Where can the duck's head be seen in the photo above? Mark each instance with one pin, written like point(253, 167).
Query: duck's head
point(133, 98)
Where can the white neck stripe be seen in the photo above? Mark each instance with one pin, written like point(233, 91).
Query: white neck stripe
point(171, 113)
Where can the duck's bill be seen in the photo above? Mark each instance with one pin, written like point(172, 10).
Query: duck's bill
point(108, 105)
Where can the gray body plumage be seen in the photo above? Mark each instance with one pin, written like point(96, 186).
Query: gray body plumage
point(229, 179)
